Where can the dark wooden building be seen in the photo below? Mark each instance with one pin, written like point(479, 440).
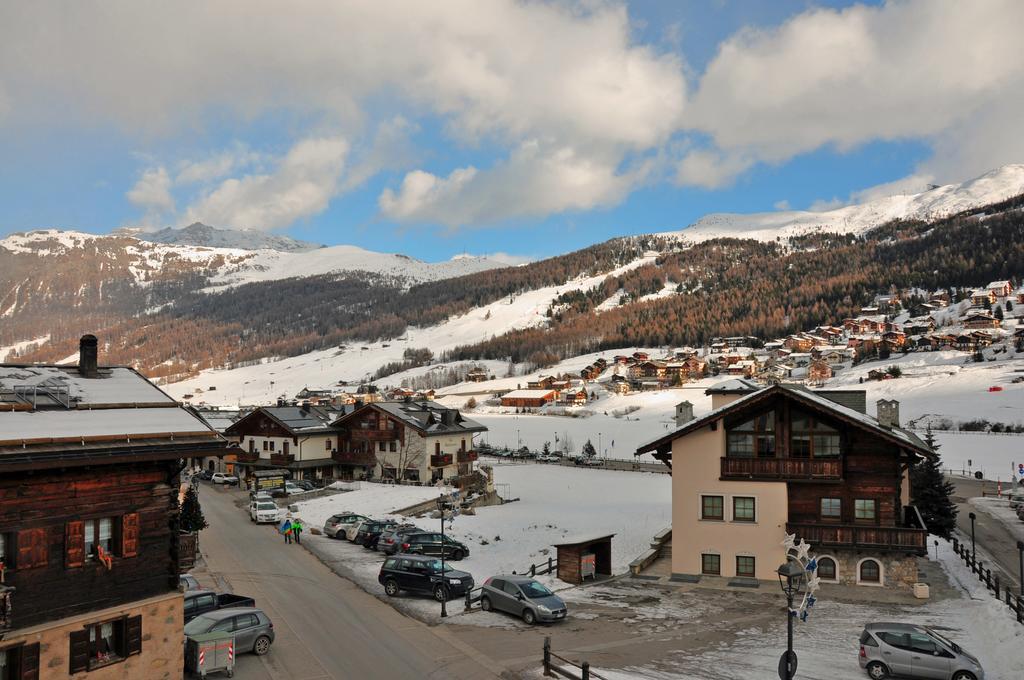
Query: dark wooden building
point(89, 483)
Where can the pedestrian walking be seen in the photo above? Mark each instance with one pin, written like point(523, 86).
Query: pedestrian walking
point(297, 530)
point(286, 529)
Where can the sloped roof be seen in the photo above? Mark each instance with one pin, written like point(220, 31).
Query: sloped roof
point(117, 385)
point(424, 416)
point(735, 386)
point(299, 420)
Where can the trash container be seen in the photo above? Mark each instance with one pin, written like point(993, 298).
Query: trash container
point(209, 653)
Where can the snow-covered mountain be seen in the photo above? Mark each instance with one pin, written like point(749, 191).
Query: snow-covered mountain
point(944, 201)
point(199, 234)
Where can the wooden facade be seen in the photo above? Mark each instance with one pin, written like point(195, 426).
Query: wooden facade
point(585, 558)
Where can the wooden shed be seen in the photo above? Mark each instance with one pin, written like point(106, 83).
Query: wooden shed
point(579, 558)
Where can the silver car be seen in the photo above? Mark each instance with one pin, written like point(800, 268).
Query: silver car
point(521, 596)
point(903, 650)
point(337, 525)
point(253, 630)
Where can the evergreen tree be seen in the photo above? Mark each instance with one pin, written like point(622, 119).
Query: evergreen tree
point(547, 449)
point(588, 450)
point(931, 491)
point(192, 519)
point(999, 312)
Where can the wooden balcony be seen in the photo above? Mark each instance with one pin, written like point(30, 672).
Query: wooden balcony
point(467, 456)
point(368, 435)
point(187, 548)
point(901, 539)
point(782, 469)
point(363, 458)
point(283, 459)
point(247, 456)
point(441, 460)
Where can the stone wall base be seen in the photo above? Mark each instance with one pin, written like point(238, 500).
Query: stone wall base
point(898, 570)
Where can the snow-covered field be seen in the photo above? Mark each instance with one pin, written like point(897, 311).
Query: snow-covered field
point(554, 503)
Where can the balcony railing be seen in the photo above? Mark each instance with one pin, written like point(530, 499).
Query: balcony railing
point(282, 458)
point(364, 458)
point(441, 460)
point(187, 548)
point(782, 468)
point(247, 456)
point(358, 433)
point(467, 456)
point(857, 536)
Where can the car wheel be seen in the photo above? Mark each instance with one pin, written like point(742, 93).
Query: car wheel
point(529, 618)
point(261, 646)
point(391, 587)
point(440, 593)
point(485, 603)
point(963, 675)
point(877, 671)
point(458, 555)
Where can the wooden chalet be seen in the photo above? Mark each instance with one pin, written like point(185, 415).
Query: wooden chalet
point(979, 321)
point(89, 543)
point(982, 297)
point(788, 460)
point(528, 398)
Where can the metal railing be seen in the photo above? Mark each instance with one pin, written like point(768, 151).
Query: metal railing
point(991, 581)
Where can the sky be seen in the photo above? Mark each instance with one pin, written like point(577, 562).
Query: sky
point(515, 129)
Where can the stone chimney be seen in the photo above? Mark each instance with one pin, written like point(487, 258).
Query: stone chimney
point(684, 413)
point(888, 412)
point(88, 357)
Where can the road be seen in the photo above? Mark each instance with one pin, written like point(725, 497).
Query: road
point(990, 533)
point(326, 626)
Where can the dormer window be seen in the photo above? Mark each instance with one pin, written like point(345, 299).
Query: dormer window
point(809, 437)
point(755, 437)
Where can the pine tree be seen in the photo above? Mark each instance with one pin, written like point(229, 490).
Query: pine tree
point(547, 449)
point(999, 313)
point(930, 491)
point(588, 450)
point(192, 519)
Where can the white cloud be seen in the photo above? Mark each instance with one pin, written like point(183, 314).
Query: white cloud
point(215, 166)
point(911, 184)
point(904, 70)
point(781, 205)
point(301, 184)
point(710, 169)
point(152, 193)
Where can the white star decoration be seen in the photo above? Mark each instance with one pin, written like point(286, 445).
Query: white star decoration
point(790, 542)
point(802, 549)
point(799, 552)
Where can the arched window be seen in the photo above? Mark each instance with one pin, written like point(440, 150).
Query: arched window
point(827, 569)
point(869, 571)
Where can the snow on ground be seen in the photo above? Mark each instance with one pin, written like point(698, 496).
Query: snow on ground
point(554, 503)
point(1001, 510)
point(996, 456)
point(6, 350)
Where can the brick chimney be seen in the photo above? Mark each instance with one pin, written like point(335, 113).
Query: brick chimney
point(888, 412)
point(88, 356)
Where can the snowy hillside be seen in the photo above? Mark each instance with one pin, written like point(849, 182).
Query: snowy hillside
point(199, 234)
point(992, 187)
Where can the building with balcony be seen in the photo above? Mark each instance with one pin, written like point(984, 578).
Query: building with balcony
point(89, 547)
point(772, 461)
point(417, 441)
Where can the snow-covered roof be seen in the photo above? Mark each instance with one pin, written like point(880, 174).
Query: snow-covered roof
point(733, 386)
point(118, 385)
point(16, 426)
point(527, 394)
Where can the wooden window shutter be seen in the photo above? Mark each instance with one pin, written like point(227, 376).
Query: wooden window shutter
point(79, 652)
point(30, 662)
point(133, 635)
point(31, 549)
point(74, 544)
point(130, 535)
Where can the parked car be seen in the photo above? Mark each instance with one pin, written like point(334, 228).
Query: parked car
point(428, 543)
point(303, 484)
point(905, 650)
point(201, 601)
point(224, 478)
point(263, 511)
point(424, 575)
point(547, 458)
point(521, 596)
point(391, 539)
point(337, 525)
point(188, 582)
point(372, 534)
point(591, 462)
point(260, 496)
point(368, 527)
point(1020, 512)
point(252, 628)
point(205, 475)
point(1016, 500)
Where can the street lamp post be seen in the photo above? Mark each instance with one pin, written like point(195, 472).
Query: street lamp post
point(442, 504)
point(600, 448)
point(1020, 558)
point(973, 554)
point(791, 578)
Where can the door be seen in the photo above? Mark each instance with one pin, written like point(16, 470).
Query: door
point(895, 649)
point(246, 627)
point(511, 599)
point(494, 593)
point(406, 577)
point(927, 659)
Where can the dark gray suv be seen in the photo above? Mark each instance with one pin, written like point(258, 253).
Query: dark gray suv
point(424, 575)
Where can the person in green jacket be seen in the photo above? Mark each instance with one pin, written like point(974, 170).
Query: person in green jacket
point(297, 528)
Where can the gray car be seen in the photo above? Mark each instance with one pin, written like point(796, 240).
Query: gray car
point(521, 596)
point(253, 630)
point(903, 650)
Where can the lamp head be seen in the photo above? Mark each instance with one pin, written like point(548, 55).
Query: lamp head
point(972, 516)
point(791, 577)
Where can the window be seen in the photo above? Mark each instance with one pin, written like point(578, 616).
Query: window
point(864, 509)
point(391, 424)
point(745, 566)
point(831, 508)
point(266, 445)
point(755, 437)
point(870, 572)
point(827, 569)
point(106, 643)
point(712, 507)
point(271, 444)
point(923, 644)
point(243, 621)
point(327, 444)
point(19, 661)
point(711, 564)
point(7, 552)
point(381, 446)
point(393, 446)
point(743, 509)
point(811, 437)
point(7, 669)
point(99, 533)
point(437, 448)
point(252, 446)
point(284, 448)
point(898, 640)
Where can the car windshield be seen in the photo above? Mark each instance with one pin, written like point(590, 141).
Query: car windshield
point(534, 589)
point(435, 566)
point(200, 624)
point(949, 643)
point(266, 506)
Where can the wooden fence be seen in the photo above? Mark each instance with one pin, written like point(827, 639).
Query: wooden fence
point(542, 568)
point(567, 668)
point(991, 581)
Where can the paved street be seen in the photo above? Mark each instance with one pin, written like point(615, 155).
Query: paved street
point(326, 627)
point(990, 533)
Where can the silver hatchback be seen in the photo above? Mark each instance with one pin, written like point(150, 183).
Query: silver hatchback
point(521, 596)
point(903, 650)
